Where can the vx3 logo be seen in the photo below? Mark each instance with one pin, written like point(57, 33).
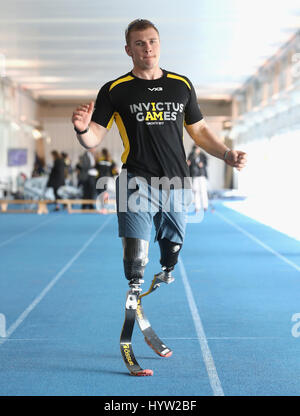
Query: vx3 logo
point(155, 89)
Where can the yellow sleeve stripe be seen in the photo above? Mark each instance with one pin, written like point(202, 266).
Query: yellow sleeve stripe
point(180, 78)
point(128, 78)
point(124, 137)
point(110, 121)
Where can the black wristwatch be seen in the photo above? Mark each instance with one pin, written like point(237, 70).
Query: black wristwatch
point(81, 132)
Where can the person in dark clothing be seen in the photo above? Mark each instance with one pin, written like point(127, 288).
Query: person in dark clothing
point(87, 177)
point(39, 167)
point(57, 175)
point(105, 165)
point(150, 106)
point(197, 162)
point(106, 168)
point(68, 166)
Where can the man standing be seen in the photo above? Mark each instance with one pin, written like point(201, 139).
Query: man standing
point(197, 162)
point(150, 106)
point(57, 175)
point(88, 176)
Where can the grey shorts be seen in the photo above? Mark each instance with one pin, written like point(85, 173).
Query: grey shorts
point(139, 204)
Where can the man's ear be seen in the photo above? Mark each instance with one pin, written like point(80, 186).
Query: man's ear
point(128, 51)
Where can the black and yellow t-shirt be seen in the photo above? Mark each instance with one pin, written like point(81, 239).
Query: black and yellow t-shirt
point(150, 115)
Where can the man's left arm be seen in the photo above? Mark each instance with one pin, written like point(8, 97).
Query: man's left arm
point(204, 137)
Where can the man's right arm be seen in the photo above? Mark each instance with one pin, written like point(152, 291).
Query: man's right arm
point(81, 120)
point(93, 137)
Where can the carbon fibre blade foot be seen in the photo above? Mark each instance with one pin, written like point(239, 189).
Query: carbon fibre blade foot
point(126, 334)
point(150, 336)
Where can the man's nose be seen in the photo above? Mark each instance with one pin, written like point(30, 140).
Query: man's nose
point(148, 47)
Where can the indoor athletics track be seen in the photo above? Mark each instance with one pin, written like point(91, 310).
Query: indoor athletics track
point(227, 316)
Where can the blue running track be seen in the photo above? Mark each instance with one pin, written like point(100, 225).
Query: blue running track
point(227, 316)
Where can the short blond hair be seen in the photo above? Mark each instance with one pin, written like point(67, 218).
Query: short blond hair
point(136, 25)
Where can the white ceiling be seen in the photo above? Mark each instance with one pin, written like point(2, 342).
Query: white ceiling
point(66, 49)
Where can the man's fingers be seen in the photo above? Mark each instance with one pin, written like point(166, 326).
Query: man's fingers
point(81, 111)
point(237, 159)
point(91, 107)
point(83, 108)
point(242, 160)
point(240, 165)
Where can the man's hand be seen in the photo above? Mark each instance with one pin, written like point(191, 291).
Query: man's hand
point(204, 137)
point(236, 159)
point(82, 116)
point(81, 119)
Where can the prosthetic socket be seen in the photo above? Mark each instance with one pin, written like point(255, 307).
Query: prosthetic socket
point(136, 257)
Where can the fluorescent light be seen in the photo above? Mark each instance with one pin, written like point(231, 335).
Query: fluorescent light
point(36, 134)
point(15, 126)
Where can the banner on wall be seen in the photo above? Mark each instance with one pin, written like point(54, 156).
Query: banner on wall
point(16, 157)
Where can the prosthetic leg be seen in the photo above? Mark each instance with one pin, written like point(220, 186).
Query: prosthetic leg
point(135, 260)
point(169, 257)
point(125, 340)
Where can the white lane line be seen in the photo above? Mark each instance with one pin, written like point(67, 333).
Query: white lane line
point(35, 339)
point(37, 300)
point(223, 338)
point(168, 338)
point(259, 242)
point(207, 356)
point(15, 237)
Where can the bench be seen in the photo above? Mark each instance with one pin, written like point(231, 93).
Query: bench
point(70, 202)
point(41, 206)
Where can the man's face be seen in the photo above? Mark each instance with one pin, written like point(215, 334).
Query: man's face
point(144, 48)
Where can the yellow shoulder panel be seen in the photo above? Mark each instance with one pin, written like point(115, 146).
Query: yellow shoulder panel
point(128, 78)
point(180, 78)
